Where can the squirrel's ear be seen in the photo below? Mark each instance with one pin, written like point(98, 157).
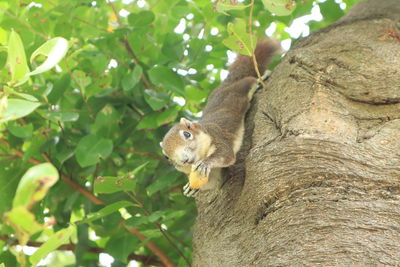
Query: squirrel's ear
point(161, 144)
point(186, 122)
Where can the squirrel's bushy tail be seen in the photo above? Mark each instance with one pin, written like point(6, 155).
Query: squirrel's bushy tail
point(244, 66)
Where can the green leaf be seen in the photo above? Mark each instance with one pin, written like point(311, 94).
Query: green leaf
point(152, 233)
point(21, 131)
point(99, 85)
point(223, 6)
point(239, 38)
point(106, 211)
point(81, 79)
point(137, 221)
point(161, 184)
point(156, 100)
point(141, 19)
point(16, 59)
point(331, 11)
point(108, 185)
point(64, 152)
point(156, 119)
point(173, 46)
point(165, 77)
point(17, 108)
point(23, 222)
point(25, 96)
point(131, 78)
point(137, 169)
point(8, 259)
point(195, 94)
point(155, 216)
point(9, 179)
point(91, 149)
point(60, 86)
point(280, 7)
point(54, 49)
point(121, 247)
point(34, 185)
point(59, 115)
point(107, 123)
point(55, 240)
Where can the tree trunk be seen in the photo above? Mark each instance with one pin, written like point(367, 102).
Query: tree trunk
point(319, 182)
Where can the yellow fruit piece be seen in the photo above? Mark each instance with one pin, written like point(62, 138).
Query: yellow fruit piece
point(196, 180)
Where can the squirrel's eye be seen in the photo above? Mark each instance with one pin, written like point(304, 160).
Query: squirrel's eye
point(187, 135)
point(166, 157)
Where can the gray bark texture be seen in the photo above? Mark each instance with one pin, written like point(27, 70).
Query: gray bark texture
point(317, 182)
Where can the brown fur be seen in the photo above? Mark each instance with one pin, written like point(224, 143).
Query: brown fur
point(219, 133)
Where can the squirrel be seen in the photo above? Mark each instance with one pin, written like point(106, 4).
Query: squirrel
point(214, 141)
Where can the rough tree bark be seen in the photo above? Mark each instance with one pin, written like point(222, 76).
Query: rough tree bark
point(321, 183)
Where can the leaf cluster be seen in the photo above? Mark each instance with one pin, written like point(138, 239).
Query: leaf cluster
point(104, 82)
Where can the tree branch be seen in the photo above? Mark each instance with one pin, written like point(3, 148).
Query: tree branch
point(89, 195)
point(148, 260)
point(64, 177)
point(153, 247)
point(160, 254)
point(128, 46)
point(164, 233)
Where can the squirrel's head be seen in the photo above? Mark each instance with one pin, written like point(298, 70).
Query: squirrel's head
point(185, 143)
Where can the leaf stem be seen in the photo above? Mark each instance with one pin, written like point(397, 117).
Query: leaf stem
point(252, 43)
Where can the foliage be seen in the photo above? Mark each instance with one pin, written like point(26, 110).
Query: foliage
point(104, 82)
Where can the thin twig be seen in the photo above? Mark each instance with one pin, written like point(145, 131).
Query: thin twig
point(88, 23)
point(252, 44)
point(111, 4)
point(6, 155)
point(148, 213)
point(129, 48)
point(127, 45)
point(160, 254)
point(9, 158)
point(82, 190)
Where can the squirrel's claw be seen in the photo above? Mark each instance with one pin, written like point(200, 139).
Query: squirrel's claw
point(189, 192)
point(203, 168)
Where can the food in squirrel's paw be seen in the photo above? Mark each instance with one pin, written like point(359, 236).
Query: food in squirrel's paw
point(196, 180)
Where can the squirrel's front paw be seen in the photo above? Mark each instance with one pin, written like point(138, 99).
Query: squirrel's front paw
point(203, 168)
point(190, 192)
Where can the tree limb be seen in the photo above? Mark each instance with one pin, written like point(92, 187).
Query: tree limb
point(153, 247)
point(160, 254)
